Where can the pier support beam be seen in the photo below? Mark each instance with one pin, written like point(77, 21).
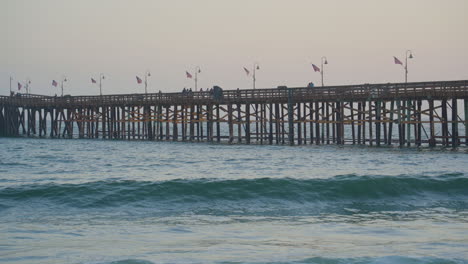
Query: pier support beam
point(432, 141)
point(247, 123)
point(445, 135)
point(377, 121)
point(390, 124)
point(466, 121)
point(454, 124)
point(290, 117)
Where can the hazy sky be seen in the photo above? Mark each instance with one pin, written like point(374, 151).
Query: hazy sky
point(46, 39)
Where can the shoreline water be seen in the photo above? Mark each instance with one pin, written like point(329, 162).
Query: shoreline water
point(106, 201)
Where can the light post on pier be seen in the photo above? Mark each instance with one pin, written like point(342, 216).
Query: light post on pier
point(11, 79)
point(256, 66)
point(147, 74)
point(64, 79)
point(406, 63)
point(27, 85)
point(101, 77)
point(197, 71)
point(408, 55)
point(324, 61)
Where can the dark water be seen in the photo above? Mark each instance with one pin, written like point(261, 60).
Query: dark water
point(85, 201)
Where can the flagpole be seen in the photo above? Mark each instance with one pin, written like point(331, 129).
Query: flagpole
point(11, 79)
point(101, 77)
point(410, 56)
point(146, 84)
point(61, 86)
point(324, 61)
point(253, 76)
point(321, 69)
point(255, 66)
point(147, 74)
point(406, 67)
point(28, 88)
point(197, 70)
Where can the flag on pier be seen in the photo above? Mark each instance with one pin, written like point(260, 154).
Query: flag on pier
point(188, 74)
point(19, 86)
point(397, 61)
point(316, 69)
point(54, 83)
point(138, 80)
point(246, 71)
point(93, 81)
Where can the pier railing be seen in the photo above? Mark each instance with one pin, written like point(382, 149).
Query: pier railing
point(414, 90)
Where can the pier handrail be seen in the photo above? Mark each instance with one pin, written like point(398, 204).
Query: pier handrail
point(437, 89)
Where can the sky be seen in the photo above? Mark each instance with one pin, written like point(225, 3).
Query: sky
point(50, 39)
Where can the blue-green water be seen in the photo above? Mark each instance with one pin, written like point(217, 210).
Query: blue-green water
point(96, 201)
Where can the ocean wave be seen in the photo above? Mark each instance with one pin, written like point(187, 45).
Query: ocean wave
point(339, 188)
point(322, 260)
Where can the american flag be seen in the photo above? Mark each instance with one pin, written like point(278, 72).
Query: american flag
point(54, 83)
point(93, 81)
point(246, 71)
point(316, 69)
point(19, 86)
point(138, 80)
point(188, 74)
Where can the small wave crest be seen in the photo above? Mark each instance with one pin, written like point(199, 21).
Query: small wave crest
point(131, 261)
point(379, 260)
point(322, 260)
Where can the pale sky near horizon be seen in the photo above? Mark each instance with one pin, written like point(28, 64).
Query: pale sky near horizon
point(44, 40)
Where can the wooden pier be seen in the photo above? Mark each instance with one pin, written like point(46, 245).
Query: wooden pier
point(404, 114)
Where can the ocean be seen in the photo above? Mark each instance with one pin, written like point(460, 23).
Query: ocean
point(106, 201)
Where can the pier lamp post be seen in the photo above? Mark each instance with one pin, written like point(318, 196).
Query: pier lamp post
point(11, 79)
point(408, 55)
point(255, 67)
point(147, 74)
point(64, 79)
point(197, 71)
point(101, 77)
point(324, 61)
point(27, 85)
